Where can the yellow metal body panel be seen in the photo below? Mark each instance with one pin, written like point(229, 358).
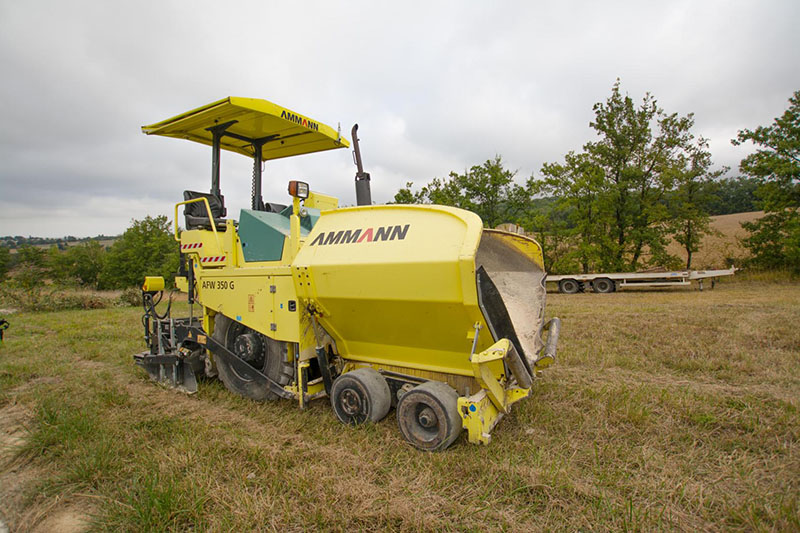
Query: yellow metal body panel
point(253, 297)
point(479, 416)
point(320, 201)
point(395, 285)
point(294, 134)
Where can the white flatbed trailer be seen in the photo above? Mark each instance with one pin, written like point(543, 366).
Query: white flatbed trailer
point(610, 282)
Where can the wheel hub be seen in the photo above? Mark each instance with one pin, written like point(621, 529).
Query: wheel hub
point(248, 347)
point(427, 418)
point(350, 402)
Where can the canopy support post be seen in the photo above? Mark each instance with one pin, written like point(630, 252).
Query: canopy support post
point(217, 132)
point(257, 202)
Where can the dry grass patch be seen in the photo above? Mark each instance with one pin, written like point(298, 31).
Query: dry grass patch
point(666, 410)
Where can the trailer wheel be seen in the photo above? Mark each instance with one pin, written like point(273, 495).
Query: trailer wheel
point(568, 286)
point(603, 285)
point(428, 416)
point(360, 395)
point(262, 353)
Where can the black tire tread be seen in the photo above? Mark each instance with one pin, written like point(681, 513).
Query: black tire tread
point(280, 371)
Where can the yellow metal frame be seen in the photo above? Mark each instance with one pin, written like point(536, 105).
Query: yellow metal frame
point(482, 411)
point(208, 211)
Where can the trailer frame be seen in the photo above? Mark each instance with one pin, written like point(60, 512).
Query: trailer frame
point(611, 282)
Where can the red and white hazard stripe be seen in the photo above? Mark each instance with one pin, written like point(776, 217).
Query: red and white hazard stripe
point(192, 246)
point(212, 259)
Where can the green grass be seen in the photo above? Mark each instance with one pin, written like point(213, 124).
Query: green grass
point(667, 410)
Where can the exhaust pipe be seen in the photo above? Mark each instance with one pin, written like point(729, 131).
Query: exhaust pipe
point(363, 193)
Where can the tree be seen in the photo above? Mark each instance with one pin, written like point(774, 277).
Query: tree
point(405, 196)
point(86, 262)
point(579, 185)
point(694, 180)
point(615, 190)
point(732, 195)
point(58, 264)
point(31, 256)
point(487, 190)
point(31, 266)
point(82, 263)
point(5, 262)
point(551, 228)
point(147, 248)
point(774, 239)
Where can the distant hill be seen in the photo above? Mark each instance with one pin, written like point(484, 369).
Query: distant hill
point(14, 242)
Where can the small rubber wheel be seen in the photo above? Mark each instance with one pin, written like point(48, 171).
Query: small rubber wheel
point(359, 396)
point(428, 416)
point(266, 355)
point(569, 286)
point(603, 285)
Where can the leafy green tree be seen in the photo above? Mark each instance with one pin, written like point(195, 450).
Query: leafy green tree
point(31, 267)
point(30, 255)
point(82, 263)
point(405, 196)
point(5, 261)
point(614, 191)
point(774, 239)
point(580, 185)
point(147, 248)
point(732, 195)
point(551, 229)
point(58, 265)
point(487, 190)
point(694, 180)
point(86, 262)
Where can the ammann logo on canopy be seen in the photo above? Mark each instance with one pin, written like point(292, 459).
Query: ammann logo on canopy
point(297, 119)
point(355, 236)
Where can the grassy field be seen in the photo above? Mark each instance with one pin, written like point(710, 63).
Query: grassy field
point(667, 410)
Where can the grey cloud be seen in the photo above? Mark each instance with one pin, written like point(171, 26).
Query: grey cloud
point(435, 86)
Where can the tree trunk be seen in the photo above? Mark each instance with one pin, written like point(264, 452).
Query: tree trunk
point(689, 245)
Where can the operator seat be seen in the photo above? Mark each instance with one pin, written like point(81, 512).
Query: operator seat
point(196, 214)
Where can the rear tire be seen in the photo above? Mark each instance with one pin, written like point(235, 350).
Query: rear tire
point(259, 351)
point(428, 416)
point(360, 396)
point(603, 285)
point(569, 286)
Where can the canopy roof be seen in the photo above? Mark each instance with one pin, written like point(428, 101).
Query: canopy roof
point(251, 121)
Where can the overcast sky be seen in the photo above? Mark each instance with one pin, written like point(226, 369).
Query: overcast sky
point(434, 87)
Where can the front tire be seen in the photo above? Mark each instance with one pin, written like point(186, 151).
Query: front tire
point(266, 355)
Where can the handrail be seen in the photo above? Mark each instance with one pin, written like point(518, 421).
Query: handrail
point(210, 217)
